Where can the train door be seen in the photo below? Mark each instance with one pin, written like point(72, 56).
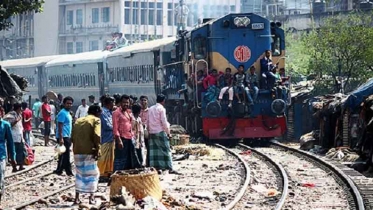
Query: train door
point(42, 81)
point(158, 73)
point(101, 78)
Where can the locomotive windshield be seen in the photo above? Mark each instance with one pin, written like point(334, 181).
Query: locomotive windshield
point(199, 47)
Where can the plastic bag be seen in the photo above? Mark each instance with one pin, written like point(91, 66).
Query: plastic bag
point(29, 160)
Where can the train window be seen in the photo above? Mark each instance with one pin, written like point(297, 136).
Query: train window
point(199, 47)
point(276, 45)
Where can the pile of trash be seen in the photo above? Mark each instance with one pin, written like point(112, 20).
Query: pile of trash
point(177, 129)
point(199, 150)
point(343, 154)
point(309, 140)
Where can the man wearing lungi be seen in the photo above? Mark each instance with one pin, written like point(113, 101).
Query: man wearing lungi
point(6, 139)
point(86, 139)
point(106, 161)
point(63, 135)
point(159, 134)
point(125, 152)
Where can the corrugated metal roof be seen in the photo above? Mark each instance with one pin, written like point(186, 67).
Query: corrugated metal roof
point(79, 58)
point(141, 47)
point(28, 62)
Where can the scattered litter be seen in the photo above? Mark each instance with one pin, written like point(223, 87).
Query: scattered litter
point(247, 152)
point(272, 192)
point(308, 185)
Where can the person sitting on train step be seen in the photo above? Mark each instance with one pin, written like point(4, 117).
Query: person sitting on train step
point(265, 67)
point(211, 79)
point(284, 78)
point(252, 85)
point(273, 77)
point(239, 83)
point(226, 79)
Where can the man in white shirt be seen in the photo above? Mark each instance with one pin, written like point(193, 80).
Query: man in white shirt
point(82, 110)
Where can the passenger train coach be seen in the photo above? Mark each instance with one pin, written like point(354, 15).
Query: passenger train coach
point(164, 66)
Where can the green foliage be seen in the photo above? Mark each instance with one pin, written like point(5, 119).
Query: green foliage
point(8, 8)
point(341, 48)
point(297, 59)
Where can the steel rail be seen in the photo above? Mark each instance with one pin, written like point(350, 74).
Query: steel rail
point(242, 191)
point(29, 169)
point(354, 190)
point(26, 180)
point(285, 179)
point(27, 203)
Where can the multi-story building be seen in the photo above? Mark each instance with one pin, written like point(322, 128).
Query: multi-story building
point(86, 25)
point(151, 19)
point(31, 34)
point(74, 26)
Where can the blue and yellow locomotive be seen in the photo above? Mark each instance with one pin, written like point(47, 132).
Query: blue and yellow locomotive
point(228, 42)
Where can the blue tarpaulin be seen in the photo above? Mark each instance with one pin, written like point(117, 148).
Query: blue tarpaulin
point(357, 96)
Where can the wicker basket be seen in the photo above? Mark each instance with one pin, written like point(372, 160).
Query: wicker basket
point(179, 139)
point(139, 182)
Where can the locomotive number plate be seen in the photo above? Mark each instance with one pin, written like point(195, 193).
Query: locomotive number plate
point(257, 26)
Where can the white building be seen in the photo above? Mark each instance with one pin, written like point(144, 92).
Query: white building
point(74, 26)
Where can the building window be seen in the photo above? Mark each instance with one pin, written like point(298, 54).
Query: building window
point(233, 8)
point(170, 14)
point(159, 16)
point(93, 45)
point(143, 16)
point(127, 16)
point(70, 48)
point(70, 17)
point(95, 15)
point(151, 17)
point(135, 18)
point(106, 14)
point(79, 17)
point(79, 47)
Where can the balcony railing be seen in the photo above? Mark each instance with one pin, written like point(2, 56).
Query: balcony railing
point(94, 29)
point(66, 2)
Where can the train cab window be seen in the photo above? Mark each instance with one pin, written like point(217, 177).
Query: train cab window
point(276, 45)
point(199, 47)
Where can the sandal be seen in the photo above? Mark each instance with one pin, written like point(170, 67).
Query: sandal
point(77, 202)
point(92, 201)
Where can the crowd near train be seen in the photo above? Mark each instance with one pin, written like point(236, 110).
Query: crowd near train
point(224, 79)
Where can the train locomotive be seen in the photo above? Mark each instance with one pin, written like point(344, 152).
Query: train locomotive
point(170, 65)
point(230, 41)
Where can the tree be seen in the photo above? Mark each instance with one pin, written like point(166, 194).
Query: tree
point(9, 8)
point(341, 50)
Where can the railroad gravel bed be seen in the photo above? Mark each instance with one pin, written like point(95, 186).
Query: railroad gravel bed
point(206, 182)
point(310, 187)
point(265, 187)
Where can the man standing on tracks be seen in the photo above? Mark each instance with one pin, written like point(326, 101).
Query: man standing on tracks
point(82, 110)
point(27, 117)
point(6, 140)
point(36, 110)
point(144, 120)
point(85, 137)
point(125, 153)
point(92, 99)
point(106, 161)
point(63, 135)
point(159, 134)
point(46, 113)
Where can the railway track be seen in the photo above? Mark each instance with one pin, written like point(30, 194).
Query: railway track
point(314, 183)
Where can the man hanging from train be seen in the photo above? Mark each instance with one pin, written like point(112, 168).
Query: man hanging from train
point(225, 82)
point(239, 83)
point(252, 85)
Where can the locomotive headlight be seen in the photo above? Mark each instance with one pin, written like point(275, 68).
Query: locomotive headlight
point(241, 21)
point(278, 106)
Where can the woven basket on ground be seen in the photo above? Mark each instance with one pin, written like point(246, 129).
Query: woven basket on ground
point(179, 139)
point(139, 182)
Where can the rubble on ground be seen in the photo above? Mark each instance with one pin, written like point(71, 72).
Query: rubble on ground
point(342, 154)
